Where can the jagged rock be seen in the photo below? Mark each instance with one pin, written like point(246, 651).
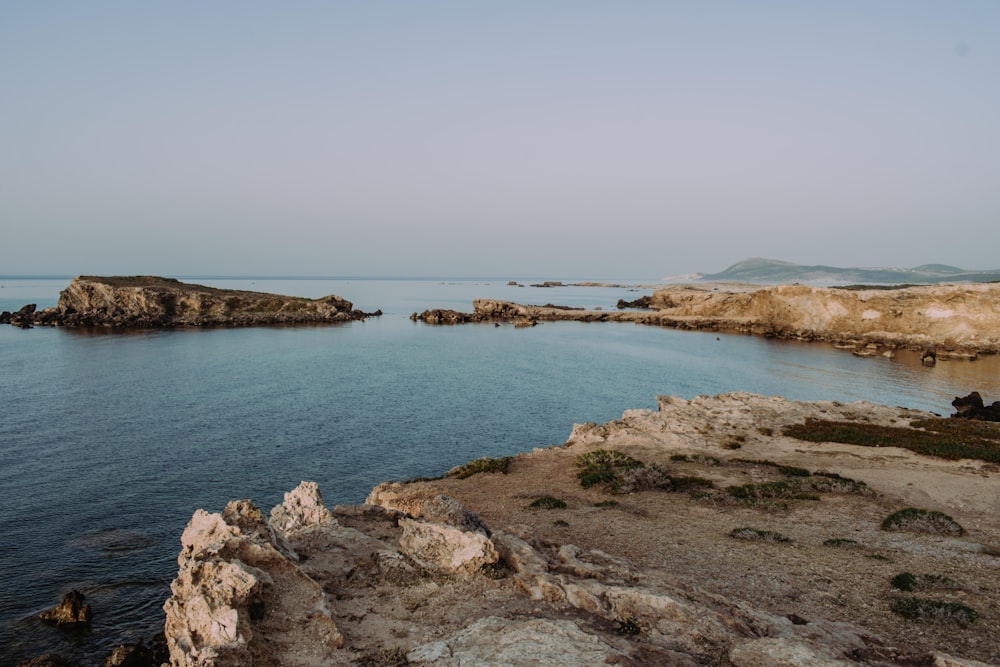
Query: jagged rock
point(234, 588)
point(303, 506)
point(446, 549)
point(972, 407)
point(71, 611)
point(501, 642)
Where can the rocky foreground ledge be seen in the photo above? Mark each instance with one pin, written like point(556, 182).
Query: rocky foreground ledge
point(713, 531)
point(960, 319)
point(153, 302)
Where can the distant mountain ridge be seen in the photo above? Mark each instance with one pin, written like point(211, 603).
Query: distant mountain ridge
point(771, 271)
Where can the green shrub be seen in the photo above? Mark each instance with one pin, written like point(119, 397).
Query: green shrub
point(547, 503)
point(604, 466)
point(934, 611)
point(606, 503)
point(914, 520)
point(485, 464)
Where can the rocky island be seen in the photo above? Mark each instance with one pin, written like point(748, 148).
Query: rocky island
point(737, 530)
point(957, 319)
point(155, 302)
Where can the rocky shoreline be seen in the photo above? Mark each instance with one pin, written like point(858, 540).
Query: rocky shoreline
point(145, 302)
point(711, 531)
point(960, 321)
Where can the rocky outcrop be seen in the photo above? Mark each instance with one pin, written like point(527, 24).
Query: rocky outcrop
point(972, 407)
point(72, 611)
point(238, 599)
point(942, 320)
point(153, 302)
point(416, 578)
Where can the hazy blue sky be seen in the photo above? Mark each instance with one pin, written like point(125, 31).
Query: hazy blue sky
point(541, 138)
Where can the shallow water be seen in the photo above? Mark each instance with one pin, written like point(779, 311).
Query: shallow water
point(109, 441)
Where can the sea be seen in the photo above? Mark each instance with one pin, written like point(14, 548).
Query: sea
point(109, 440)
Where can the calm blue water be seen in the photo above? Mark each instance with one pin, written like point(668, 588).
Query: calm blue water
point(109, 441)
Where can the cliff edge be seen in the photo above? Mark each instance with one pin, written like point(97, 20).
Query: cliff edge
point(152, 302)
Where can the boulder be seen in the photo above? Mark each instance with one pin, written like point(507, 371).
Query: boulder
point(72, 611)
point(446, 549)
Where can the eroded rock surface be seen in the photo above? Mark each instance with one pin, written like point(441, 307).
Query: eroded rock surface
point(152, 302)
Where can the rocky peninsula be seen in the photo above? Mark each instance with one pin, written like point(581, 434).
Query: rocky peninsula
point(155, 302)
point(737, 530)
point(957, 319)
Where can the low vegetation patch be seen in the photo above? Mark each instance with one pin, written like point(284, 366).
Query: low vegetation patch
point(914, 520)
point(934, 611)
point(755, 535)
point(547, 503)
point(945, 438)
point(839, 542)
point(485, 464)
point(605, 466)
point(764, 491)
point(831, 482)
point(909, 582)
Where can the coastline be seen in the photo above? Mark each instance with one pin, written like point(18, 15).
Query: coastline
point(958, 321)
point(530, 557)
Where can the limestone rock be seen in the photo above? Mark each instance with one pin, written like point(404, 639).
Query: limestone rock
point(446, 549)
point(449, 512)
point(396, 496)
point(303, 506)
point(234, 588)
point(71, 611)
point(499, 642)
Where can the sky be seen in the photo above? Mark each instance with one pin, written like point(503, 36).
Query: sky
point(586, 139)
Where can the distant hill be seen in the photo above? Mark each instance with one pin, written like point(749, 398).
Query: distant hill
point(772, 271)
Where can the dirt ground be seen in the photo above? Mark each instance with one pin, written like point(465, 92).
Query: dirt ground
point(838, 562)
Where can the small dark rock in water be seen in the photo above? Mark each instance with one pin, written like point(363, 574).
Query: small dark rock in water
point(972, 407)
point(929, 358)
point(72, 611)
point(641, 302)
